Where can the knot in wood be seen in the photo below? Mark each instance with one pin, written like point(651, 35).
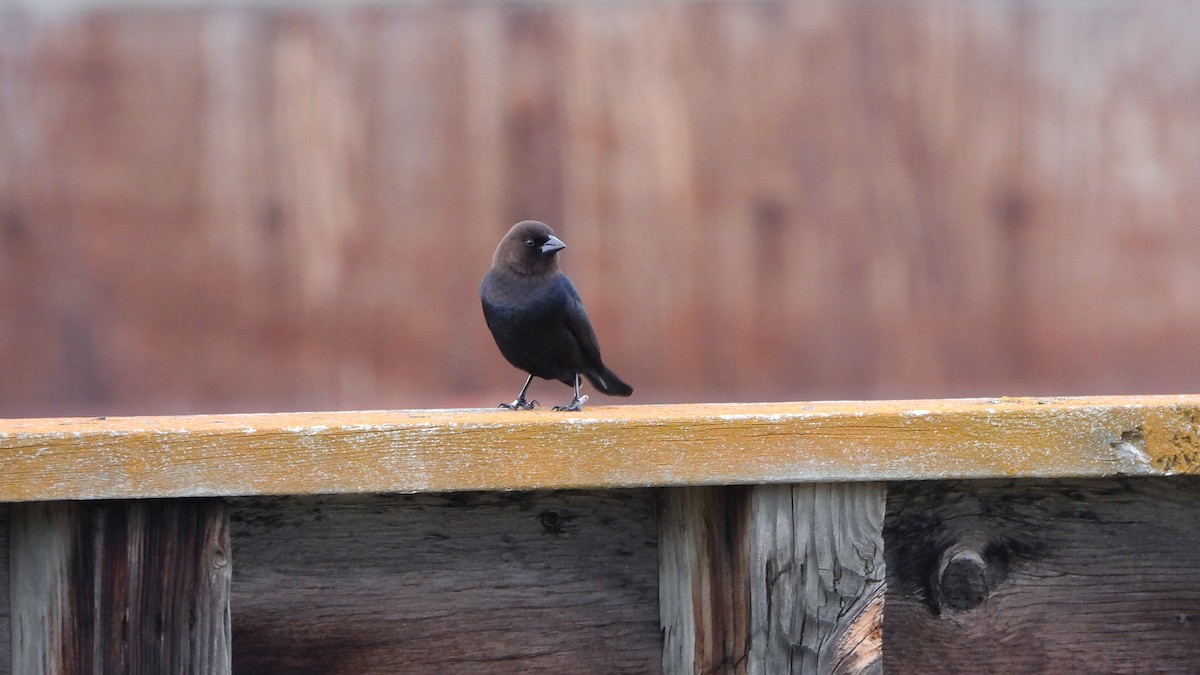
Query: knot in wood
point(966, 575)
point(551, 521)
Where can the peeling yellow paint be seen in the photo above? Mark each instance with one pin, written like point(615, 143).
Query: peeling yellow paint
point(1172, 440)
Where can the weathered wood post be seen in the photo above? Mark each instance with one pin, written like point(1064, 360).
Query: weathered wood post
point(773, 578)
point(120, 587)
point(702, 583)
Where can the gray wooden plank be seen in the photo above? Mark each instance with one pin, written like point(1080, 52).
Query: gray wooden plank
point(703, 584)
point(120, 587)
point(5, 596)
point(469, 582)
point(816, 578)
point(773, 579)
point(1023, 576)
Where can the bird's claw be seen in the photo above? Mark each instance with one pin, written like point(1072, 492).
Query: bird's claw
point(519, 404)
point(576, 405)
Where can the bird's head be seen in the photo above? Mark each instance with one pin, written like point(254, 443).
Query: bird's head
point(529, 249)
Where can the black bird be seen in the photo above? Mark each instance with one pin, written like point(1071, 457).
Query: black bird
point(537, 318)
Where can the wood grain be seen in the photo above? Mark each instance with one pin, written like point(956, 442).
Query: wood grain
point(704, 585)
point(625, 446)
point(5, 591)
point(121, 587)
point(290, 207)
point(1069, 576)
point(555, 582)
point(816, 579)
point(772, 579)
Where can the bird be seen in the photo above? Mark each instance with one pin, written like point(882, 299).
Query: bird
point(537, 318)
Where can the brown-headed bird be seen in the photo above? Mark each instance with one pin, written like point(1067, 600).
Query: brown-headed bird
point(537, 318)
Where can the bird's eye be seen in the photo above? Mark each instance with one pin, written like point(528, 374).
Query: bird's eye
point(530, 243)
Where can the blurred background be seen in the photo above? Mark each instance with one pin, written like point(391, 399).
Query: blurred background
point(287, 206)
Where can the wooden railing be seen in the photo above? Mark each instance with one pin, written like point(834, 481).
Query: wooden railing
point(767, 542)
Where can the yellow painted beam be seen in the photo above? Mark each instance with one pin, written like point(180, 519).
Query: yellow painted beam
point(617, 446)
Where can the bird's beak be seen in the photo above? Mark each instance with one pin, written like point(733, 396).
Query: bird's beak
point(552, 244)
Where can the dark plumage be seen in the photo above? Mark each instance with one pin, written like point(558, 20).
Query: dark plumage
point(537, 318)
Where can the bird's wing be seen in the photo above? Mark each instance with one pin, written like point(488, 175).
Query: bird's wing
point(579, 325)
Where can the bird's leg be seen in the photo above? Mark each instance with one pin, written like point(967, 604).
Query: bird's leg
point(521, 403)
point(577, 402)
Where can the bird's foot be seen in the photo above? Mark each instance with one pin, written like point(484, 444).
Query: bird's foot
point(519, 404)
point(576, 405)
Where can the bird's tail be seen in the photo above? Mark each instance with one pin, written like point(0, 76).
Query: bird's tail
point(607, 381)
